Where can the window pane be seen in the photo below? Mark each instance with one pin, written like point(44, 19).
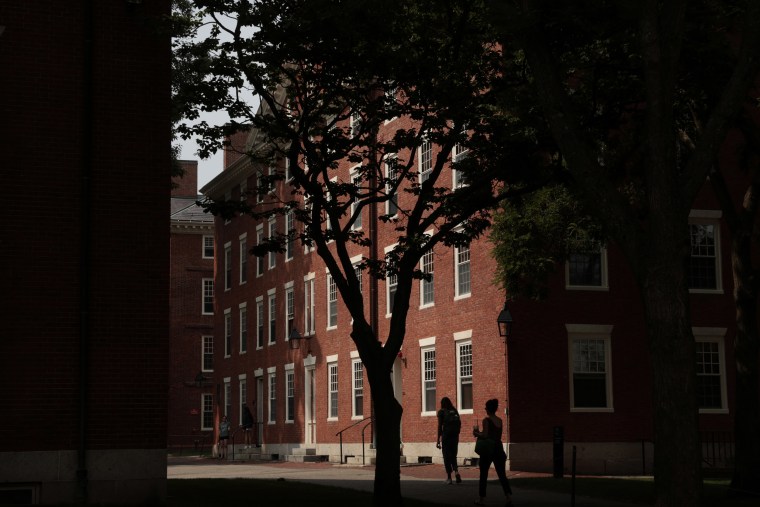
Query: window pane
point(585, 269)
point(702, 264)
point(709, 393)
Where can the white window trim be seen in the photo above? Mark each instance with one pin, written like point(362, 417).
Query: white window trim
point(353, 174)
point(290, 215)
point(243, 240)
point(272, 231)
point(328, 278)
point(427, 344)
point(605, 284)
point(460, 339)
point(355, 417)
point(420, 150)
point(388, 309)
point(259, 239)
point(204, 396)
point(331, 360)
point(596, 332)
point(289, 369)
point(260, 301)
point(424, 305)
point(289, 289)
point(271, 315)
point(309, 327)
point(466, 295)
point(203, 352)
point(716, 335)
point(227, 265)
point(203, 298)
point(385, 172)
point(227, 318)
point(271, 374)
point(241, 307)
point(203, 244)
point(710, 217)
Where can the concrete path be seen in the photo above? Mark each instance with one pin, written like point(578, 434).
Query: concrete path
point(423, 482)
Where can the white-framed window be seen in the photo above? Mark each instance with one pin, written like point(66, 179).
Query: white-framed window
point(207, 413)
point(290, 308)
point(332, 302)
point(272, 415)
point(290, 393)
point(332, 389)
point(290, 229)
point(243, 191)
point(309, 322)
point(272, 305)
point(228, 332)
point(308, 245)
point(425, 160)
point(711, 370)
point(288, 174)
point(427, 287)
point(208, 296)
point(390, 100)
point(227, 397)
point(243, 386)
point(227, 197)
point(464, 375)
point(259, 241)
point(356, 179)
point(207, 363)
point(227, 266)
point(391, 175)
point(356, 261)
point(243, 259)
point(208, 247)
point(462, 283)
point(357, 405)
point(243, 309)
point(587, 270)
point(705, 262)
point(590, 367)
point(260, 322)
point(391, 284)
point(261, 189)
point(272, 233)
point(355, 123)
point(427, 358)
point(458, 154)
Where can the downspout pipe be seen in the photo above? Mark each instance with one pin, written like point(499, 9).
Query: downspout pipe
point(84, 245)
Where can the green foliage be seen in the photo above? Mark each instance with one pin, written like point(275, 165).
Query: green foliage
point(534, 233)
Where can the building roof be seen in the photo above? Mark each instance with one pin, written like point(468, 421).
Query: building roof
point(185, 211)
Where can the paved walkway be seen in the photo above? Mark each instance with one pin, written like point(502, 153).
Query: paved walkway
point(424, 482)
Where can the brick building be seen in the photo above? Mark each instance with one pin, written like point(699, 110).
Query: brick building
point(575, 365)
point(192, 313)
point(85, 167)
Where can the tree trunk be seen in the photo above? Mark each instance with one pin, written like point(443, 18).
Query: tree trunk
point(747, 415)
point(677, 456)
point(387, 490)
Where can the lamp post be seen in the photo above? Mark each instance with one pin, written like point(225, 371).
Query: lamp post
point(294, 338)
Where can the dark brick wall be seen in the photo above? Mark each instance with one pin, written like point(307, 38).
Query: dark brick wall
point(42, 172)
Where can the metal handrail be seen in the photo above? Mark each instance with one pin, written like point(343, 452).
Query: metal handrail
point(340, 435)
point(200, 440)
point(232, 440)
point(371, 420)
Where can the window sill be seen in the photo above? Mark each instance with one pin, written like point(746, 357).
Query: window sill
point(713, 411)
point(428, 305)
point(463, 296)
point(706, 291)
point(591, 288)
point(592, 410)
point(428, 414)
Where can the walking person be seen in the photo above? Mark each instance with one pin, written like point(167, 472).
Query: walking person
point(449, 425)
point(492, 430)
point(224, 435)
point(247, 425)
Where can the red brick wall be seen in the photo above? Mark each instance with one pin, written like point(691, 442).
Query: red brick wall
point(235, 148)
point(187, 185)
point(188, 326)
point(42, 154)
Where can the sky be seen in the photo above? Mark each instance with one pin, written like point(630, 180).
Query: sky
point(208, 168)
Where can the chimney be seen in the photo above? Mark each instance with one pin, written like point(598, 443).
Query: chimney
point(187, 185)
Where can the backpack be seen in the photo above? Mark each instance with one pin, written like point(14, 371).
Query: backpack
point(451, 422)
